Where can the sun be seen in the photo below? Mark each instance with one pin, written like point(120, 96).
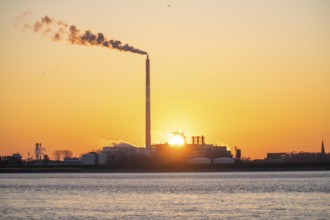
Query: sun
point(177, 139)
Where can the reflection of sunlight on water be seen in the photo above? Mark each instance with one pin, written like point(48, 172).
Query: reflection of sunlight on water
point(166, 195)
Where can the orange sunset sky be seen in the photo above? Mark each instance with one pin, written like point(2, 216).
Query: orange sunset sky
point(252, 74)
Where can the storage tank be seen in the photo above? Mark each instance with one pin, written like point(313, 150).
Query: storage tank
point(223, 160)
point(201, 160)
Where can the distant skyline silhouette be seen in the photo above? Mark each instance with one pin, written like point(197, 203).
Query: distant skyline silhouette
point(248, 74)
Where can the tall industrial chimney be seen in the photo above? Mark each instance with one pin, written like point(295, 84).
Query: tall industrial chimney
point(148, 127)
point(38, 151)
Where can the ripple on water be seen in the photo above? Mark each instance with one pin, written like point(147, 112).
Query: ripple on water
point(254, 195)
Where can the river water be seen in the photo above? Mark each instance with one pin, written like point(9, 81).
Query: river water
point(236, 195)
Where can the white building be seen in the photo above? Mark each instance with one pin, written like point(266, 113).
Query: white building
point(89, 159)
point(103, 158)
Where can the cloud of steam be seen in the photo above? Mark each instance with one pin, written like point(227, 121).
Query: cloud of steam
point(121, 144)
point(179, 133)
point(101, 142)
point(59, 30)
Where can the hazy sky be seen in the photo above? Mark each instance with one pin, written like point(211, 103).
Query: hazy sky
point(252, 74)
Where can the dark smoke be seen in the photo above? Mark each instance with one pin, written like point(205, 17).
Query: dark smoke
point(45, 21)
point(61, 31)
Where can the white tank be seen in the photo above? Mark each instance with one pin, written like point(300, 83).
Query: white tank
point(201, 160)
point(223, 160)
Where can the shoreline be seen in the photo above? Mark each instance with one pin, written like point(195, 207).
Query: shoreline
point(170, 168)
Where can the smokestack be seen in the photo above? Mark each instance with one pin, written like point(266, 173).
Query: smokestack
point(38, 151)
point(148, 127)
point(203, 140)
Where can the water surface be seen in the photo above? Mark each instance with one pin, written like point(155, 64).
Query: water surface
point(237, 195)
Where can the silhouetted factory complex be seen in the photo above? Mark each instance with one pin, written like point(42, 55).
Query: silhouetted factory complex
point(195, 152)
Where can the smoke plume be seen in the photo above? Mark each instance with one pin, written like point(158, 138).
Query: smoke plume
point(102, 142)
point(59, 30)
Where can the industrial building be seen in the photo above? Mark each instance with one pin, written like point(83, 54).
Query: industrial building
point(277, 157)
point(299, 156)
point(89, 159)
point(196, 151)
point(118, 153)
point(71, 161)
point(15, 159)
